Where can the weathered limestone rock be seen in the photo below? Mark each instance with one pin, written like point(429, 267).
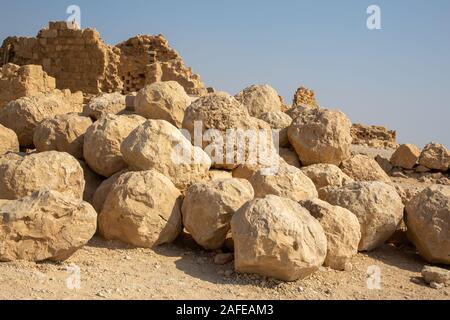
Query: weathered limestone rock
point(259, 99)
point(276, 237)
point(92, 182)
point(278, 120)
point(363, 168)
point(341, 228)
point(17, 82)
point(374, 136)
point(219, 174)
point(24, 115)
point(290, 157)
point(208, 208)
point(8, 141)
point(45, 226)
point(321, 136)
point(384, 163)
point(230, 135)
point(164, 101)
point(324, 175)
point(159, 145)
point(103, 139)
point(377, 206)
point(105, 103)
point(406, 156)
point(100, 194)
point(143, 209)
point(64, 133)
point(435, 274)
point(288, 182)
point(428, 221)
point(304, 96)
point(435, 156)
point(21, 175)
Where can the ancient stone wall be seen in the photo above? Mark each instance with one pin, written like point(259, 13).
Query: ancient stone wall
point(374, 136)
point(80, 60)
point(148, 59)
point(17, 82)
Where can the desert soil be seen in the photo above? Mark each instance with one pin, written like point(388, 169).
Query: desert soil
point(111, 270)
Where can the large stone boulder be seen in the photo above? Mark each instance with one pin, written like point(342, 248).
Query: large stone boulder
point(8, 141)
point(321, 136)
point(101, 193)
point(363, 168)
point(45, 226)
point(164, 101)
point(24, 115)
point(377, 206)
point(276, 237)
point(278, 120)
point(259, 99)
point(428, 222)
point(159, 145)
point(406, 156)
point(105, 103)
point(435, 156)
point(142, 209)
point(208, 208)
point(64, 133)
point(23, 174)
point(324, 175)
point(288, 182)
point(102, 142)
point(222, 126)
point(341, 228)
point(92, 182)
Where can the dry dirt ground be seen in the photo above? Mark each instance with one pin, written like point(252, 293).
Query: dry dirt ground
point(111, 270)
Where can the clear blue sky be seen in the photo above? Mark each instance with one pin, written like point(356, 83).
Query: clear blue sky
point(398, 76)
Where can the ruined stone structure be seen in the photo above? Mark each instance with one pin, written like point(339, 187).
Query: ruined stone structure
point(17, 82)
point(304, 96)
point(148, 59)
point(374, 136)
point(81, 61)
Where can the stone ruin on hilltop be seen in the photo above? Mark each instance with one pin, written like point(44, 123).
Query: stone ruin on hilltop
point(79, 60)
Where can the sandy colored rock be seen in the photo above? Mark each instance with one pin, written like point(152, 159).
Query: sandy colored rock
point(102, 191)
point(377, 206)
point(290, 157)
point(103, 139)
point(259, 99)
point(428, 221)
point(278, 120)
point(304, 96)
point(163, 101)
point(341, 228)
point(64, 133)
point(384, 163)
point(105, 103)
point(21, 175)
point(435, 274)
point(222, 121)
point(8, 141)
point(219, 174)
point(143, 209)
point(363, 168)
point(406, 156)
point(159, 145)
point(276, 237)
point(45, 226)
point(92, 182)
point(23, 81)
point(24, 115)
point(208, 208)
point(288, 182)
point(324, 175)
point(321, 136)
point(435, 156)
